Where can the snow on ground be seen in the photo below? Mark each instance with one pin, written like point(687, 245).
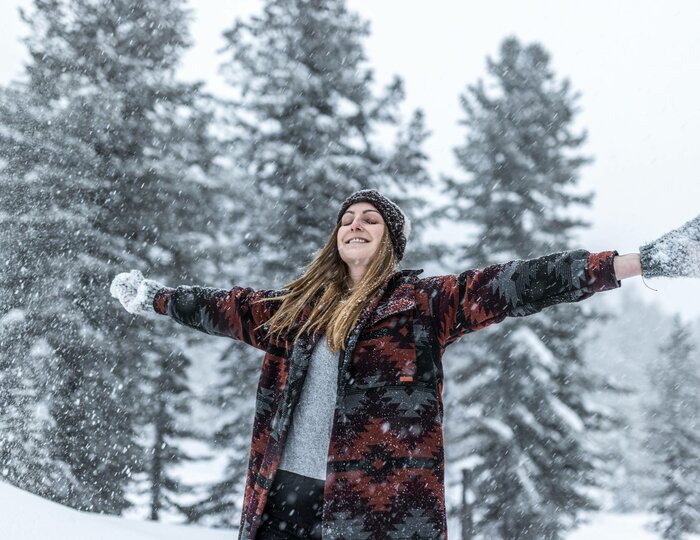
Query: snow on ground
point(27, 517)
point(632, 526)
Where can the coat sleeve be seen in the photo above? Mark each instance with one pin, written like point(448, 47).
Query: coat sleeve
point(220, 312)
point(474, 299)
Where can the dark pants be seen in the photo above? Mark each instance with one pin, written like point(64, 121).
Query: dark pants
point(293, 509)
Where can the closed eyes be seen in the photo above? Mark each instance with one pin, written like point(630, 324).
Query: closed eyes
point(370, 222)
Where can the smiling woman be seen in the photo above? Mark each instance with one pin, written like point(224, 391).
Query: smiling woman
point(347, 437)
point(359, 235)
point(334, 289)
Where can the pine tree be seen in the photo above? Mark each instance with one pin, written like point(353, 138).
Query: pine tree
point(169, 421)
point(407, 175)
point(44, 232)
point(673, 427)
point(631, 340)
point(517, 394)
point(107, 163)
point(303, 128)
point(305, 117)
point(25, 458)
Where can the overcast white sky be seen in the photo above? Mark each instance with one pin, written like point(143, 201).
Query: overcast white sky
point(635, 62)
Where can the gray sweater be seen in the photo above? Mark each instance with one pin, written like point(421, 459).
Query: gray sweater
point(306, 448)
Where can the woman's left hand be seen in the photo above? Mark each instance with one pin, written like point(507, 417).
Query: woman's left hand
point(675, 254)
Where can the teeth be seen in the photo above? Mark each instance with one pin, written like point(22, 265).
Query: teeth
point(355, 240)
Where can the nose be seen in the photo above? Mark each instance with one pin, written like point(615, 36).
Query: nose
point(356, 223)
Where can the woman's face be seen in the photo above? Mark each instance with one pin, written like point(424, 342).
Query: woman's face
point(361, 230)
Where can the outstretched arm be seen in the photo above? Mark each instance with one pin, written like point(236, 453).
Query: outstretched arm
point(478, 298)
point(475, 299)
point(231, 313)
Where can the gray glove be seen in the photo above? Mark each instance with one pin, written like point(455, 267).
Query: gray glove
point(135, 292)
point(675, 254)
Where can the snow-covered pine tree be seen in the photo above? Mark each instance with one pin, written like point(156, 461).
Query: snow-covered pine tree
point(45, 227)
point(408, 184)
point(304, 122)
point(518, 394)
point(306, 116)
point(673, 427)
point(631, 340)
point(25, 457)
point(106, 163)
point(169, 423)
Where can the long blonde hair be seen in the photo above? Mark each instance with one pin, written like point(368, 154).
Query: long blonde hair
point(337, 310)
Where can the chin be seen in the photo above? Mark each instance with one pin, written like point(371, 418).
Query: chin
point(357, 260)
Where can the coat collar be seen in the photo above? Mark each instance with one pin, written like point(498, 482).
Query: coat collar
point(396, 294)
point(408, 272)
point(396, 299)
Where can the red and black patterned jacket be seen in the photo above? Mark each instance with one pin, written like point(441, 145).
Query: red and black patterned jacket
point(385, 473)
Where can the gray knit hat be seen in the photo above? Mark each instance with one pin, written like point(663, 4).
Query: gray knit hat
point(396, 221)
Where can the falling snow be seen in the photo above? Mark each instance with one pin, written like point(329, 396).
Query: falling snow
point(122, 187)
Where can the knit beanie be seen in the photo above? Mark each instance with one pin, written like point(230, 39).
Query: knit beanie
point(396, 221)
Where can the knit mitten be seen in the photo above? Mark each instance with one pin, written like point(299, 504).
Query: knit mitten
point(675, 254)
point(135, 292)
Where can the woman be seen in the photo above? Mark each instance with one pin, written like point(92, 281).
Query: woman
point(347, 436)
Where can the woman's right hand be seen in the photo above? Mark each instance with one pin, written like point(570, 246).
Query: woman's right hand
point(135, 292)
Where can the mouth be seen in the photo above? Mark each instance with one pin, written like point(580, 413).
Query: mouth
point(357, 241)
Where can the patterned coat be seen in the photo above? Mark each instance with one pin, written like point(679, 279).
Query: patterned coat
point(385, 472)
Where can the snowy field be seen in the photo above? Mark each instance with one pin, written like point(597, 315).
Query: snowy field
point(28, 517)
point(633, 526)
